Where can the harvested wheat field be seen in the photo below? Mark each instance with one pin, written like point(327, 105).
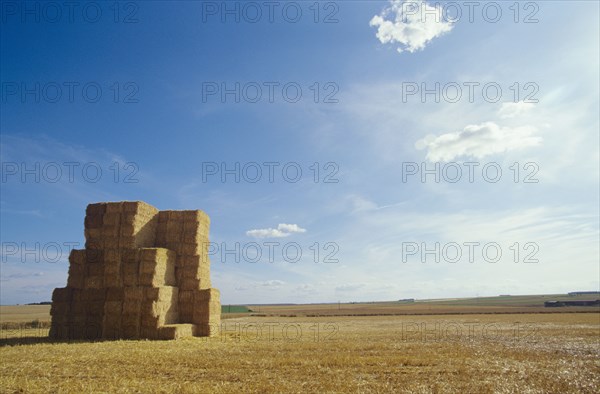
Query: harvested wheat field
point(533, 353)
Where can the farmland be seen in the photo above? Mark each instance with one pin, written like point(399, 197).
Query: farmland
point(471, 353)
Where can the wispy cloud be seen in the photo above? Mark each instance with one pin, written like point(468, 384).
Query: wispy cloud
point(478, 141)
point(512, 109)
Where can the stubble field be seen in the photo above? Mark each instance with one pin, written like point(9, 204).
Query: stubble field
point(478, 353)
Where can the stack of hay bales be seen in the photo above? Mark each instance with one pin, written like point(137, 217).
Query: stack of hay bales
point(143, 274)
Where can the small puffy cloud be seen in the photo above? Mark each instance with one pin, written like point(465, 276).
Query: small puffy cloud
point(511, 109)
point(282, 230)
point(478, 141)
point(412, 24)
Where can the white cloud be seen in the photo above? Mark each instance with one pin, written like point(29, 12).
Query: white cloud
point(478, 141)
point(413, 24)
point(282, 230)
point(511, 109)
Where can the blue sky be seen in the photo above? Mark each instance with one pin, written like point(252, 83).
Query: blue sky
point(142, 102)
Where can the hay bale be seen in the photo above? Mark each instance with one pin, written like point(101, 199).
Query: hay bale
point(123, 283)
point(113, 280)
point(94, 256)
point(209, 295)
point(96, 209)
point(111, 219)
point(78, 295)
point(111, 232)
point(191, 249)
point(157, 267)
point(95, 269)
point(111, 241)
point(177, 331)
point(93, 221)
point(95, 295)
point(115, 294)
point(161, 294)
point(94, 282)
point(91, 330)
point(130, 325)
point(114, 207)
point(131, 274)
point(133, 294)
point(77, 257)
point(148, 332)
point(113, 308)
point(60, 309)
point(130, 255)
point(208, 329)
point(76, 277)
point(111, 324)
point(62, 294)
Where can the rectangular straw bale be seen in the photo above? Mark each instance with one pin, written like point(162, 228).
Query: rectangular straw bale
point(111, 231)
point(96, 209)
point(176, 331)
point(132, 206)
point(132, 307)
point(59, 331)
point(133, 294)
point(78, 318)
point(114, 207)
point(113, 280)
point(186, 313)
point(76, 278)
point(62, 294)
point(94, 221)
point(161, 238)
point(94, 295)
point(95, 269)
point(77, 257)
point(94, 256)
point(196, 216)
point(92, 330)
point(112, 330)
point(95, 312)
point(112, 268)
point(78, 306)
point(60, 308)
point(93, 239)
point(189, 284)
point(157, 267)
point(162, 294)
point(131, 274)
point(94, 282)
point(129, 255)
point(130, 325)
point(112, 256)
point(209, 295)
point(115, 294)
point(149, 332)
point(191, 249)
point(210, 329)
point(176, 216)
point(76, 331)
point(113, 309)
point(79, 295)
point(112, 219)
